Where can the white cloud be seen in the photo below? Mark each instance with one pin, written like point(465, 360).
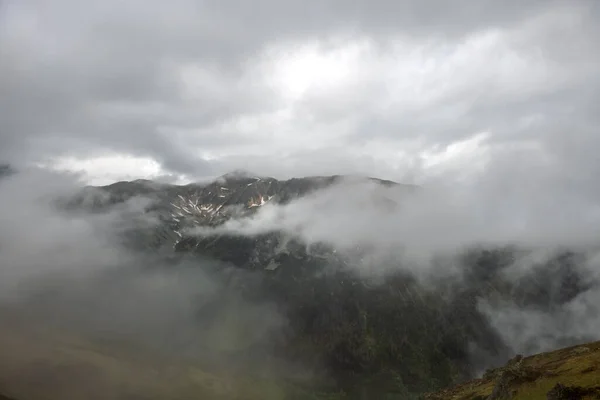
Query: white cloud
point(103, 170)
point(464, 159)
point(298, 69)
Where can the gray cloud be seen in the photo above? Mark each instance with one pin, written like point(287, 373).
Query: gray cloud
point(190, 84)
point(428, 231)
point(71, 271)
point(437, 220)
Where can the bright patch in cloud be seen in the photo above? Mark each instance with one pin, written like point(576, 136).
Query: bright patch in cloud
point(463, 157)
point(108, 169)
point(311, 67)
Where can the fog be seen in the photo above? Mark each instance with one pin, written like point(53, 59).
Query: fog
point(428, 221)
point(69, 270)
point(426, 231)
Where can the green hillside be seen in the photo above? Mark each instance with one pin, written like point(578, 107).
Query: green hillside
point(572, 373)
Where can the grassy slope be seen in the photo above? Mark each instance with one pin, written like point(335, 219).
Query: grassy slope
point(40, 363)
point(573, 366)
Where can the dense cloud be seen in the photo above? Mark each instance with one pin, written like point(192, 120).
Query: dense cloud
point(428, 231)
point(70, 270)
point(293, 88)
point(427, 221)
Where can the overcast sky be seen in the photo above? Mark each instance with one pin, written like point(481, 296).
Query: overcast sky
point(401, 89)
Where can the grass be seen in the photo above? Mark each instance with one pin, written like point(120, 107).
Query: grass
point(577, 366)
point(40, 363)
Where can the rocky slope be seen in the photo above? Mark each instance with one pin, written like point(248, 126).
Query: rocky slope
point(571, 373)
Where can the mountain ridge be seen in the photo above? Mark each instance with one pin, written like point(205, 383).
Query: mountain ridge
point(290, 268)
point(381, 336)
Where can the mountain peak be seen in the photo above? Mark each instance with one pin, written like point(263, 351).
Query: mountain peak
point(238, 174)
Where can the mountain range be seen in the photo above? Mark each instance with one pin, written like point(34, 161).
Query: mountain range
point(385, 335)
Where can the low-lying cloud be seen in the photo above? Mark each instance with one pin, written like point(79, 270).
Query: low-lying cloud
point(71, 269)
point(427, 220)
point(427, 230)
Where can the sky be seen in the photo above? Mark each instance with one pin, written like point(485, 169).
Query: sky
point(408, 90)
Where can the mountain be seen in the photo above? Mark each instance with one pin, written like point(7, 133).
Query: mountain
point(383, 336)
point(234, 195)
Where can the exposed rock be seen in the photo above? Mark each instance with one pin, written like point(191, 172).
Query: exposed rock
point(525, 378)
point(562, 392)
point(581, 350)
point(504, 387)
